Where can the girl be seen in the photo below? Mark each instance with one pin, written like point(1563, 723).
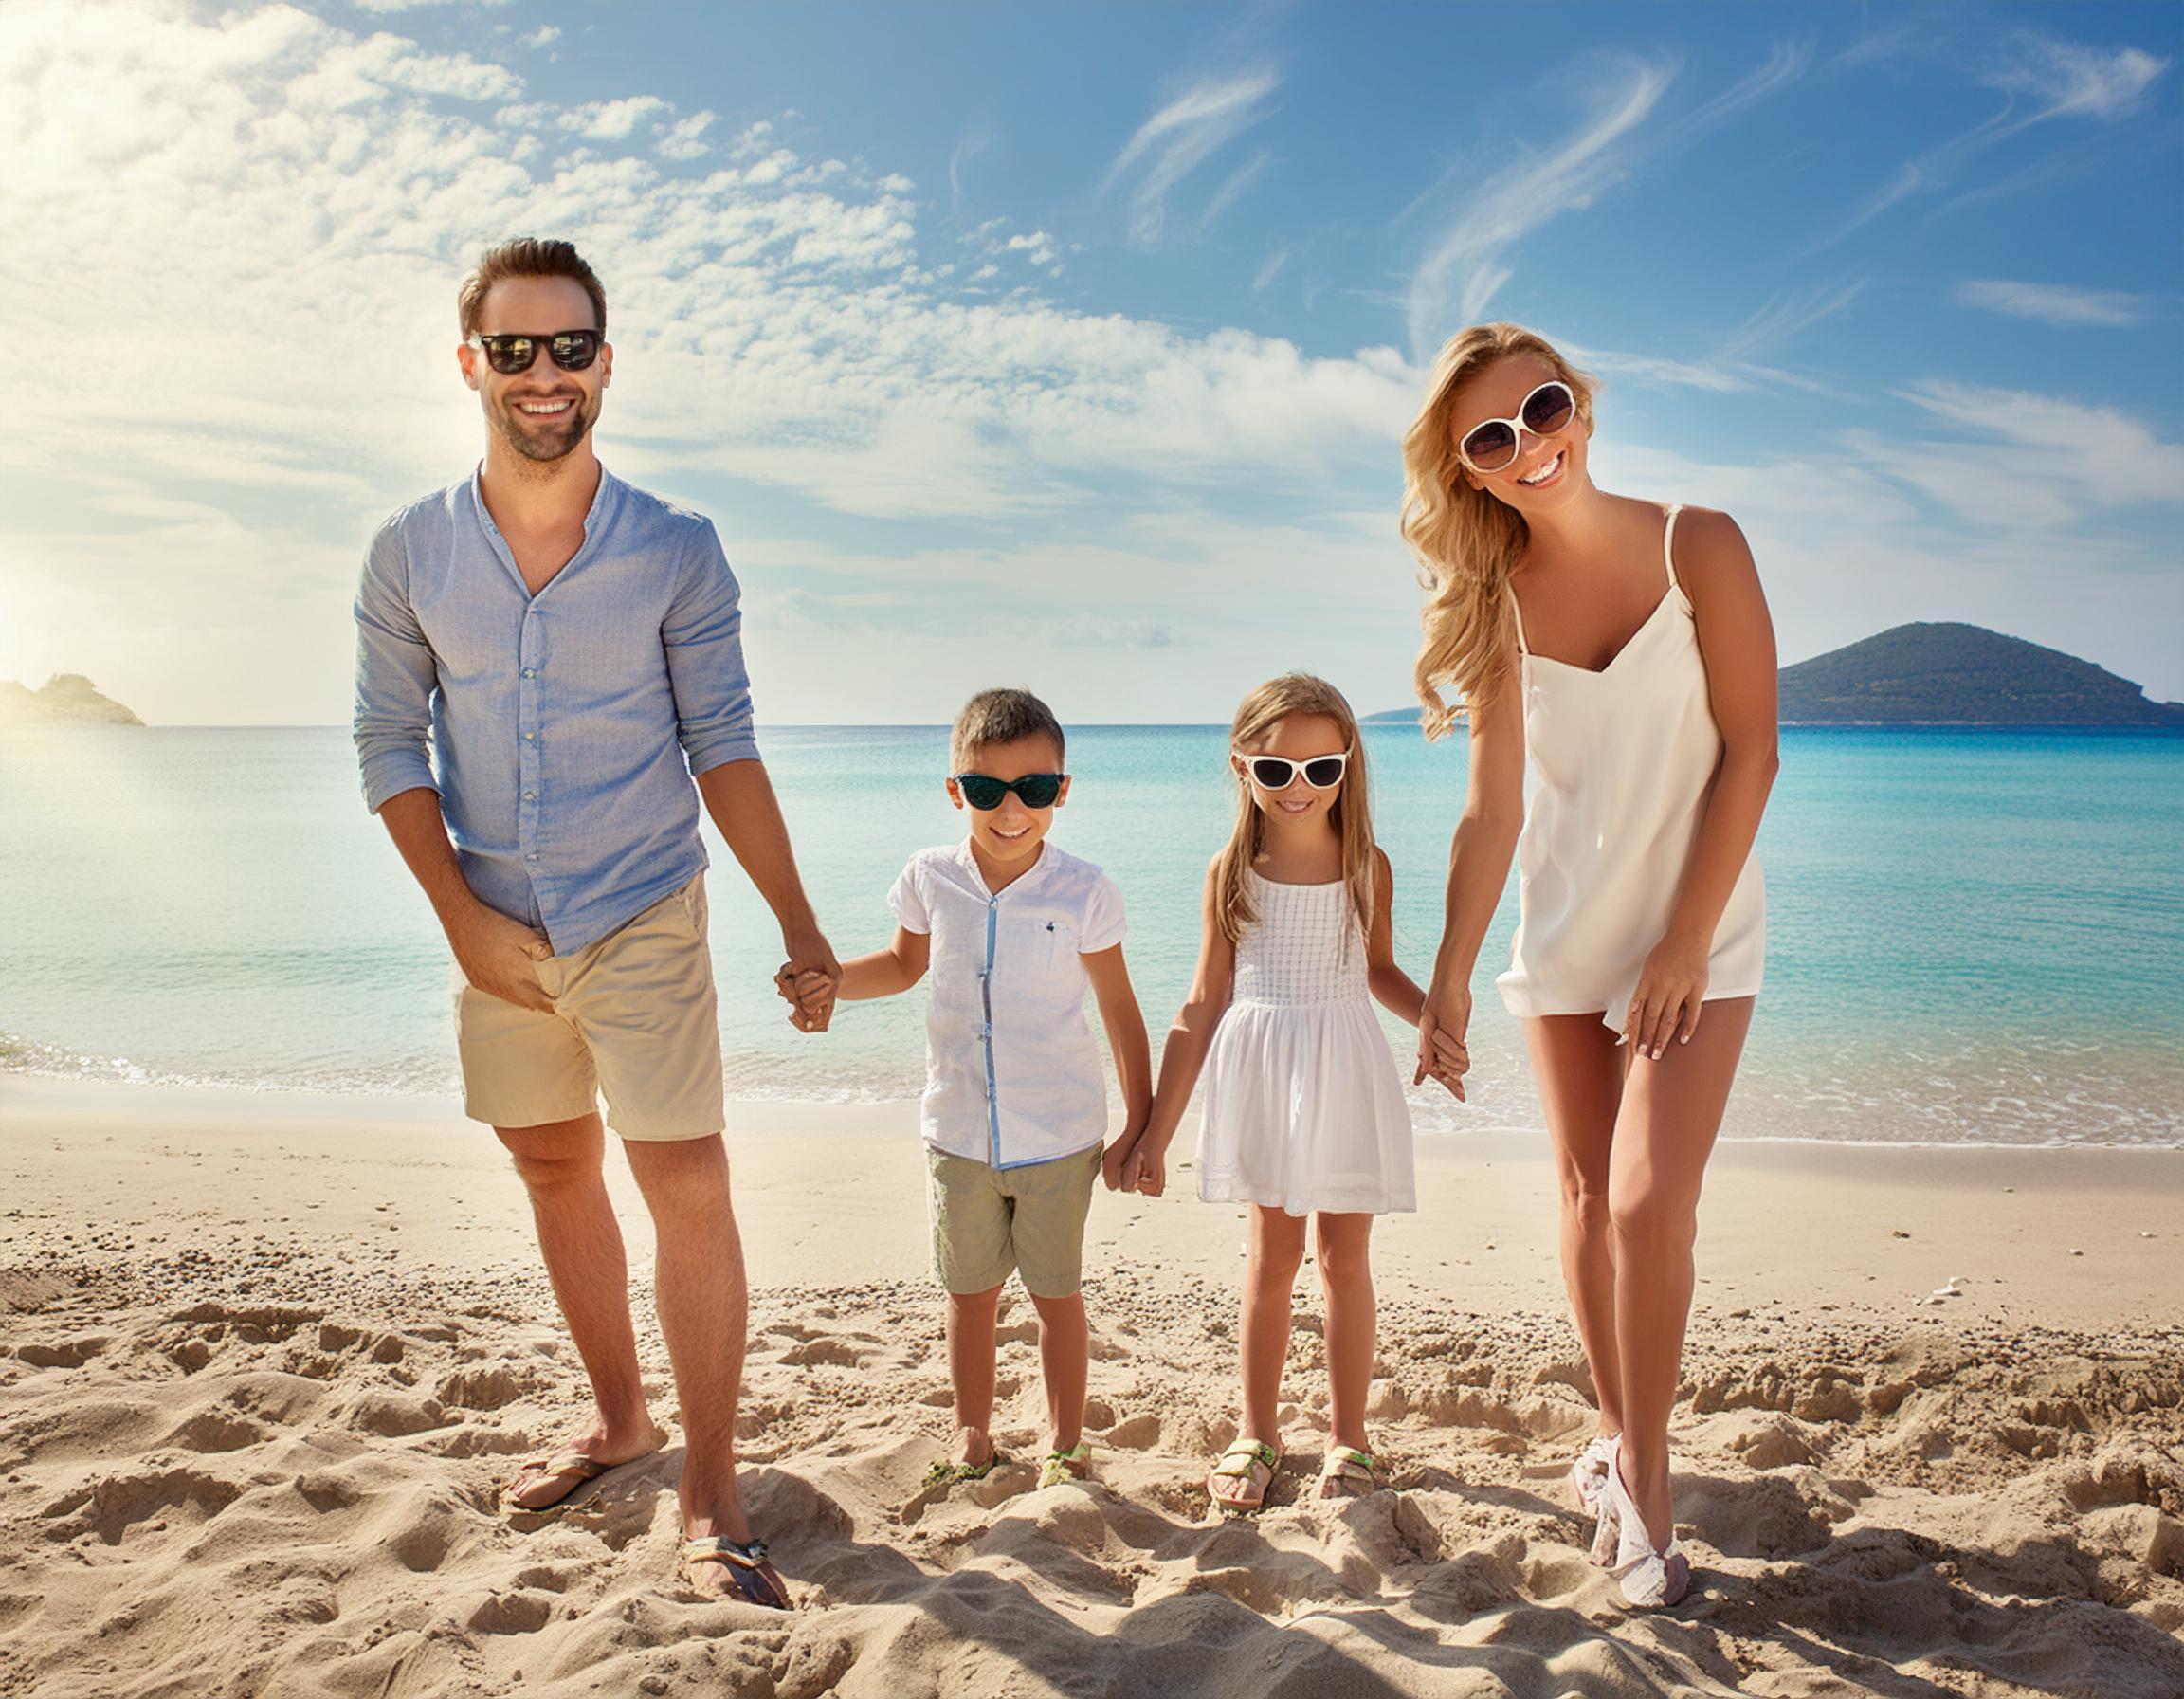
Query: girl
point(1305, 1110)
point(1626, 647)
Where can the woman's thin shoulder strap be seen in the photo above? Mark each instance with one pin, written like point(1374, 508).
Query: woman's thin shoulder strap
point(1516, 612)
point(1669, 544)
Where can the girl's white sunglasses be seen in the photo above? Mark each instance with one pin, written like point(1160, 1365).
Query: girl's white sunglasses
point(1491, 445)
point(1278, 773)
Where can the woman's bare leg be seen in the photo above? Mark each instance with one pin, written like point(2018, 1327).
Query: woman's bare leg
point(1664, 1134)
point(1580, 1073)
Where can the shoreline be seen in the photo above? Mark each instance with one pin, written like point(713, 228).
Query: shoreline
point(165, 1096)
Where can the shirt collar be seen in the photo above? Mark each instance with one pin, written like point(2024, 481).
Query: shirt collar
point(968, 861)
point(605, 500)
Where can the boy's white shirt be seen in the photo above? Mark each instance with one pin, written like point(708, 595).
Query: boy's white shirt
point(1012, 1075)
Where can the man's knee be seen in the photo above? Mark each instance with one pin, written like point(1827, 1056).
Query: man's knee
point(557, 1157)
point(682, 1176)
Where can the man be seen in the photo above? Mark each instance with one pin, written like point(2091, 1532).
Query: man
point(570, 647)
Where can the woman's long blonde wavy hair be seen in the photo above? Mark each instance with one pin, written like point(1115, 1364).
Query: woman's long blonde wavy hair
point(1467, 542)
point(1273, 702)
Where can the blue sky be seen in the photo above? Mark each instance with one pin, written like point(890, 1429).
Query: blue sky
point(1072, 345)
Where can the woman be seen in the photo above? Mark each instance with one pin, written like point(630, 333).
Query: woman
point(1627, 649)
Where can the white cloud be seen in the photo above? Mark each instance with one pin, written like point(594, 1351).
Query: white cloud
point(2055, 459)
point(685, 137)
point(613, 120)
point(1467, 261)
point(2049, 80)
point(1788, 315)
point(2060, 304)
point(1270, 268)
point(544, 36)
point(1466, 265)
point(774, 321)
point(1181, 137)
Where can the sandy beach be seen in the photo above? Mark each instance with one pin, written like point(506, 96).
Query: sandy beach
point(264, 1357)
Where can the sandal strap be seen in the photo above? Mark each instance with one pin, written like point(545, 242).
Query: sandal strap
point(566, 1463)
point(1240, 1458)
point(1344, 1459)
point(745, 1554)
point(1080, 1453)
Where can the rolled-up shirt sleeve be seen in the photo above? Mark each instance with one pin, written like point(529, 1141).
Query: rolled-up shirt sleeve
point(703, 634)
point(395, 677)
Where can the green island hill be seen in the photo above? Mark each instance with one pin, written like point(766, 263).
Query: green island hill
point(1949, 673)
point(68, 698)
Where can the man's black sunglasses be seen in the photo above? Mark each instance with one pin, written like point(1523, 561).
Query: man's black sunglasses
point(1038, 790)
point(571, 350)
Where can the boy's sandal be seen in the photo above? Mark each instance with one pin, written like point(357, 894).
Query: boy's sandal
point(1250, 1461)
point(1063, 1467)
point(945, 1474)
point(1348, 1473)
point(747, 1567)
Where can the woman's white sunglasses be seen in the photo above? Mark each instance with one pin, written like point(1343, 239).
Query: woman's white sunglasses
point(1278, 773)
point(1491, 445)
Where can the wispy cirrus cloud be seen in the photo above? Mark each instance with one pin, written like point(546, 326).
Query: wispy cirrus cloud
point(1180, 138)
point(1787, 316)
point(2041, 81)
point(2031, 460)
point(1469, 260)
point(2064, 305)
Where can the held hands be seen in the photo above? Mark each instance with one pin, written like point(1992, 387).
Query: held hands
point(808, 981)
point(1145, 1169)
point(499, 956)
point(1666, 1002)
point(1116, 1155)
point(1443, 1052)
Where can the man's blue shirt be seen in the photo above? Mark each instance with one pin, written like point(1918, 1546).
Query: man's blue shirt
point(562, 729)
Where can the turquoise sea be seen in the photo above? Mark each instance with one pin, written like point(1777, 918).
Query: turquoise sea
point(1973, 937)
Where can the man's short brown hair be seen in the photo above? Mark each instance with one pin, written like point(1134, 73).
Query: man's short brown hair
point(526, 256)
point(996, 717)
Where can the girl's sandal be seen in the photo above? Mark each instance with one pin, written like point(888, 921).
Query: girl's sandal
point(755, 1578)
point(1063, 1467)
point(1251, 1462)
point(1348, 1473)
point(946, 1473)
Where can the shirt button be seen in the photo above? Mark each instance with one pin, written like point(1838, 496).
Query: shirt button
point(530, 796)
point(530, 736)
point(530, 672)
point(532, 856)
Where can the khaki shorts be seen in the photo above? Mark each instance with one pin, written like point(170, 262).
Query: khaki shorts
point(635, 1019)
point(988, 1221)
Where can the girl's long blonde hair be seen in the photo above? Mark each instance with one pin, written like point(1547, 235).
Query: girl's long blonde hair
point(1467, 542)
point(1275, 700)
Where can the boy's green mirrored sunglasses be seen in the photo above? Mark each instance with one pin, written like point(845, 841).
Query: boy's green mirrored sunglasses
point(983, 792)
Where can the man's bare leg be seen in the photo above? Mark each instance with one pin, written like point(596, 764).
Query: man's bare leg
point(559, 1162)
point(703, 1303)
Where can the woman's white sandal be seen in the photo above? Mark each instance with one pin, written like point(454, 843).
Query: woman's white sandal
point(1652, 1581)
point(1588, 1473)
point(1349, 1473)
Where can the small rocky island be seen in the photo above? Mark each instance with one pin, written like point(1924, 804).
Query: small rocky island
point(1946, 673)
point(67, 698)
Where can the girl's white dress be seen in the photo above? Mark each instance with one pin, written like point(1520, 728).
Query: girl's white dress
point(1304, 1106)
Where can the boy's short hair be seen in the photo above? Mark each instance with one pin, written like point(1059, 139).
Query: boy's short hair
point(995, 717)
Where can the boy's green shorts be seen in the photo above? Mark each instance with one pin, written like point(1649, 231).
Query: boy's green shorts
point(988, 1221)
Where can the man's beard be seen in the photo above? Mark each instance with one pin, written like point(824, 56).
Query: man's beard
point(546, 440)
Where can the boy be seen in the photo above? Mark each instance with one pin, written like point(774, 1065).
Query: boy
point(1015, 1109)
